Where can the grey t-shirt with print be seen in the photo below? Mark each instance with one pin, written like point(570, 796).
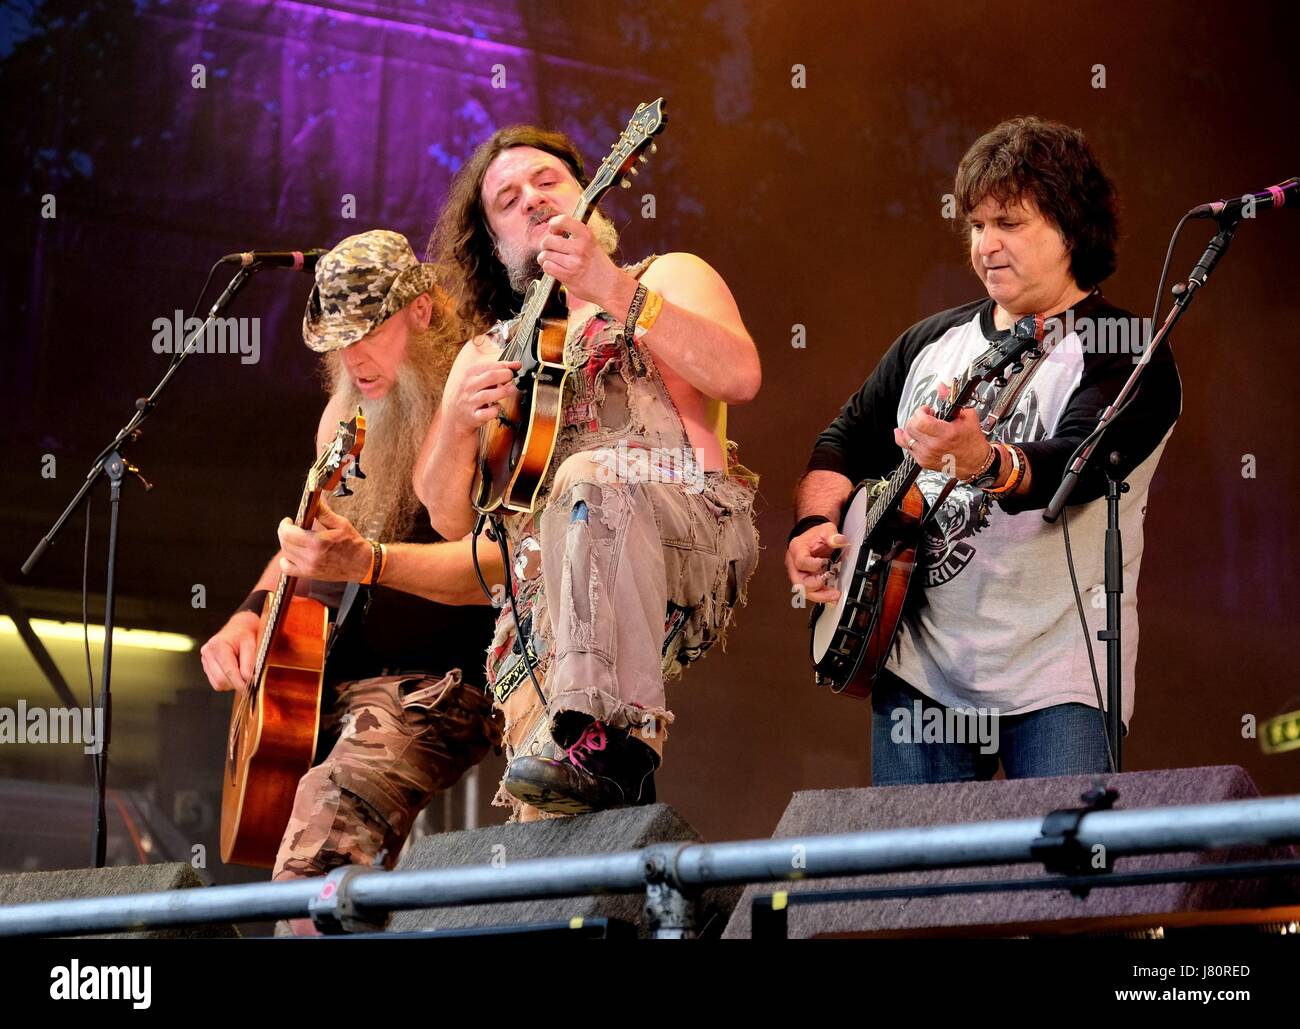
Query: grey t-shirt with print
point(996, 625)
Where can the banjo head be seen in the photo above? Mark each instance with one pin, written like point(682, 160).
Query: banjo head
point(828, 616)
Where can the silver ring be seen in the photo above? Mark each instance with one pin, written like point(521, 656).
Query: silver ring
point(911, 443)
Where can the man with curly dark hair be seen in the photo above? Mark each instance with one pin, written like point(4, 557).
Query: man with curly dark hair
point(629, 570)
point(996, 633)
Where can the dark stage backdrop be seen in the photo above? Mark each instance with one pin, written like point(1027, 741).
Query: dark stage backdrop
point(820, 203)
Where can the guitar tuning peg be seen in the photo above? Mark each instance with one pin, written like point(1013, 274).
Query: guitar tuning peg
point(1017, 368)
point(626, 183)
point(999, 381)
point(355, 468)
point(654, 148)
point(634, 170)
point(642, 158)
point(342, 490)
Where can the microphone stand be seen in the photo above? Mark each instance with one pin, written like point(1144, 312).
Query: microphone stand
point(112, 462)
point(1183, 293)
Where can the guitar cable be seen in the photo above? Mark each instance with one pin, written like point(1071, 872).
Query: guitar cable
point(497, 533)
point(85, 633)
point(1065, 519)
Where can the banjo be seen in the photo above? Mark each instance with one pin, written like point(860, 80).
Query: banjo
point(882, 519)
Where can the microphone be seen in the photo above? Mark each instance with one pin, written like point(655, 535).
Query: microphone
point(294, 260)
point(1283, 194)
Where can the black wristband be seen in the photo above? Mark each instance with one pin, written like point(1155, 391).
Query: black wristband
point(804, 524)
point(254, 602)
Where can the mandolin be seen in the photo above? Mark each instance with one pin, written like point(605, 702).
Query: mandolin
point(515, 450)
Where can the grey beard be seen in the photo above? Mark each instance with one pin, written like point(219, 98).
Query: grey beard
point(521, 265)
point(384, 505)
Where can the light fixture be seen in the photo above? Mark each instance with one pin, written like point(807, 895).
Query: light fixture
point(140, 639)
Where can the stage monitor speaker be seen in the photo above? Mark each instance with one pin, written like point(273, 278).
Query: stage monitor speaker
point(602, 832)
point(816, 812)
point(116, 881)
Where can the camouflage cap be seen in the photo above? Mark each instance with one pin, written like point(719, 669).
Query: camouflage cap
point(359, 285)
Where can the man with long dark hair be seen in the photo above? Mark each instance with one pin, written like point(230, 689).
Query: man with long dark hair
point(995, 636)
point(621, 580)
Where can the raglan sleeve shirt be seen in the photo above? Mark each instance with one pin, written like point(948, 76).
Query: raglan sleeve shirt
point(859, 442)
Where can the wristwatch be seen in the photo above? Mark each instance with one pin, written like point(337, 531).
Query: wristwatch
point(990, 476)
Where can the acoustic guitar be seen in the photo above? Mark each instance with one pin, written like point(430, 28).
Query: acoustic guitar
point(274, 722)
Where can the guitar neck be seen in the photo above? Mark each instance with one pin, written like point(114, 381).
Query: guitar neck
point(284, 588)
point(539, 296)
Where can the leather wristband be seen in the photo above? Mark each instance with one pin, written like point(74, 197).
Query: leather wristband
point(804, 524)
point(376, 563)
point(1017, 471)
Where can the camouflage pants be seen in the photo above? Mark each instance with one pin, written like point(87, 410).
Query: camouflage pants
point(400, 740)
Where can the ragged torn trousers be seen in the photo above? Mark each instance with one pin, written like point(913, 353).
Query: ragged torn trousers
point(620, 586)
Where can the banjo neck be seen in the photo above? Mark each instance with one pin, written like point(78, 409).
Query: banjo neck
point(902, 478)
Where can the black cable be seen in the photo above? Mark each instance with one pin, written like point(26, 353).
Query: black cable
point(85, 631)
point(1065, 528)
point(197, 305)
point(497, 533)
point(473, 553)
point(1164, 271)
point(1154, 314)
point(1087, 636)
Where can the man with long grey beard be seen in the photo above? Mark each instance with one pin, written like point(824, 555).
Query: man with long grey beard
point(408, 714)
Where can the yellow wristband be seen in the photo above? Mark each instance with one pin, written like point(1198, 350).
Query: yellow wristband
point(649, 313)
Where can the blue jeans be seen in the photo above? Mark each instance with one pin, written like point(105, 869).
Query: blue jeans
point(915, 740)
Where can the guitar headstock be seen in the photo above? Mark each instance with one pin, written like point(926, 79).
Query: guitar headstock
point(620, 165)
point(341, 458)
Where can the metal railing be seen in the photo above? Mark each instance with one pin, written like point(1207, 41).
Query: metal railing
point(354, 898)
